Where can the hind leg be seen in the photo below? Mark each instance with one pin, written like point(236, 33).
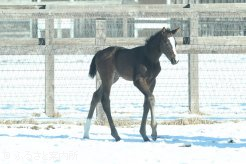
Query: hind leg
point(95, 99)
point(107, 110)
point(107, 82)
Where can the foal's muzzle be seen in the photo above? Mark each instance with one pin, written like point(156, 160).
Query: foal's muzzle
point(173, 61)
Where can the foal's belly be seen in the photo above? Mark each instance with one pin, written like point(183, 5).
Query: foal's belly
point(126, 73)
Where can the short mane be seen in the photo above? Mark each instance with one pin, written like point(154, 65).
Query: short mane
point(153, 38)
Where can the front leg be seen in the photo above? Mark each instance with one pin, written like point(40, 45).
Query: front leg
point(147, 89)
point(153, 120)
point(144, 120)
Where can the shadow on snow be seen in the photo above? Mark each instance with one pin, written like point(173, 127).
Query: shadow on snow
point(203, 141)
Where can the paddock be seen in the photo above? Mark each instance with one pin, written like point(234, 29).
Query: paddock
point(46, 71)
point(45, 52)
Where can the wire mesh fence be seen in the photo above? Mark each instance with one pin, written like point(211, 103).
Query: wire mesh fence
point(222, 85)
point(21, 83)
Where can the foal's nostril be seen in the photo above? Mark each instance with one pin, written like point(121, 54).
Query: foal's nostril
point(173, 61)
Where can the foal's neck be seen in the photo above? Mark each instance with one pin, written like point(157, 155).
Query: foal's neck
point(153, 55)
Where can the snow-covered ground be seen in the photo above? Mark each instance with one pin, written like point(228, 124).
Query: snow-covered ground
point(216, 143)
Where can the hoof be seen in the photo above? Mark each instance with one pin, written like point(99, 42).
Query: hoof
point(117, 139)
point(86, 137)
point(146, 139)
point(116, 136)
point(154, 138)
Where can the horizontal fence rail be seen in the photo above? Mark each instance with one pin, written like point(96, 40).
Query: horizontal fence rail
point(93, 11)
point(218, 45)
point(51, 46)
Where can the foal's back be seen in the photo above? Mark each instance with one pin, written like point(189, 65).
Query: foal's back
point(122, 60)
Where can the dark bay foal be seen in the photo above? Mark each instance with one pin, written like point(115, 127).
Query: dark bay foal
point(140, 65)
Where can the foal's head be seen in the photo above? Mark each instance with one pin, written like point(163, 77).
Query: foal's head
point(168, 44)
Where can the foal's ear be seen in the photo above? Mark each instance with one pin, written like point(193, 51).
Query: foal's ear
point(174, 31)
point(163, 30)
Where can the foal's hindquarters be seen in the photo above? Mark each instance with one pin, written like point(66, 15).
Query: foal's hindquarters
point(103, 62)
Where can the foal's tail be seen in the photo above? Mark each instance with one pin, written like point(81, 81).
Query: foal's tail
point(93, 67)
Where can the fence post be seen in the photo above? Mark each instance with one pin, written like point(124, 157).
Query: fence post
point(100, 42)
point(193, 79)
point(49, 68)
point(125, 27)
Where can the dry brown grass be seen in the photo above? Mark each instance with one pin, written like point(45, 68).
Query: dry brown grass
point(184, 121)
point(118, 122)
point(36, 114)
point(50, 127)
point(33, 121)
point(22, 121)
point(35, 127)
point(188, 121)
